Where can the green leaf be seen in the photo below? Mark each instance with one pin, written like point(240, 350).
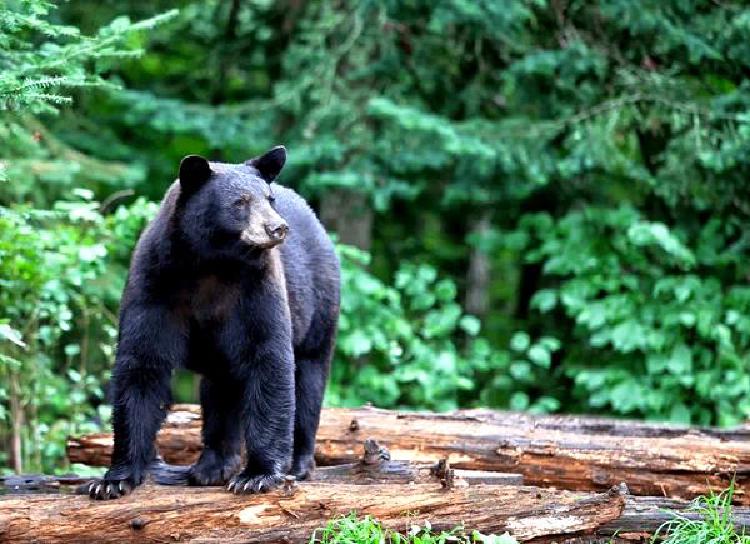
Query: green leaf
point(681, 360)
point(679, 413)
point(470, 325)
point(540, 355)
point(544, 300)
point(519, 401)
point(91, 253)
point(520, 341)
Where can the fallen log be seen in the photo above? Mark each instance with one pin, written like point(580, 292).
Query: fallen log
point(374, 466)
point(162, 514)
point(166, 514)
point(409, 472)
point(586, 454)
point(179, 440)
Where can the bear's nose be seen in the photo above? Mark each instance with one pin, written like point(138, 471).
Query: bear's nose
point(277, 231)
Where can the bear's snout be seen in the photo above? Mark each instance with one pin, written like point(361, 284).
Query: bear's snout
point(277, 231)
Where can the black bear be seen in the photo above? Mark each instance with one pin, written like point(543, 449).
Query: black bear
point(236, 280)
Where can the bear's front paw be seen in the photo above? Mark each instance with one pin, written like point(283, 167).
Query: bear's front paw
point(258, 483)
point(115, 484)
point(213, 470)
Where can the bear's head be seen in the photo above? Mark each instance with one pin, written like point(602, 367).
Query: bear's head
point(228, 209)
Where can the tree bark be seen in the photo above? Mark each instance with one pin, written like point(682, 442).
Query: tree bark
point(479, 273)
point(575, 453)
point(408, 472)
point(161, 514)
point(348, 214)
point(16, 422)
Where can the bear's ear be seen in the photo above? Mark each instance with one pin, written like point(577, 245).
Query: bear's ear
point(194, 172)
point(270, 163)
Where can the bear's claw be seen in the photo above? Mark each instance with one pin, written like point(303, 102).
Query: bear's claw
point(117, 482)
point(243, 484)
point(106, 489)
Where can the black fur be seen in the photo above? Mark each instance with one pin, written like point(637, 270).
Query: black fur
point(212, 289)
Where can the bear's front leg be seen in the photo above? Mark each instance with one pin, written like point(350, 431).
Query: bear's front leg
point(267, 416)
point(140, 400)
point(149, 344)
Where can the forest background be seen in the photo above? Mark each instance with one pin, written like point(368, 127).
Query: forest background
point(539, 204)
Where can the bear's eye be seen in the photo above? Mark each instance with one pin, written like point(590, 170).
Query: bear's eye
point(271, 198)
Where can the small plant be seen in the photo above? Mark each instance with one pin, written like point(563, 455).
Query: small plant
point(367, 530)
point(711, 522)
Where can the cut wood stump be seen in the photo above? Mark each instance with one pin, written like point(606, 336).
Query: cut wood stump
point(567, 452)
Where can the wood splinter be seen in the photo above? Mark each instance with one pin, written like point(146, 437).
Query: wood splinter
point(374, 453)
point(290, 485)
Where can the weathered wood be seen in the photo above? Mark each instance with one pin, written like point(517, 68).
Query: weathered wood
point(165, 514)
point(162, 514)
point(179, 440)
point(567, 452)
point(404, 472)
point(407, 472)
point(546, 453)
point(376, 465)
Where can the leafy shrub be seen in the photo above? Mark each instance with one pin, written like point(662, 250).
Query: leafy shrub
point(49, 262)
point(397, 343)
point(61, 275)
point(657, 317)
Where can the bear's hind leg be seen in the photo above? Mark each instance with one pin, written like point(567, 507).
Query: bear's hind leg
point(310, 382)
point(220, 458)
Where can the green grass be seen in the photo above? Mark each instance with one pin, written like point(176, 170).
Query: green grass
point(367, 530)
point(714, 523)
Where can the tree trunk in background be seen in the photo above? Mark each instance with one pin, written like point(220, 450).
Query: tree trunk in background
point(478, 275)
point(16, 417)
point(348, 214)
point(225, 52)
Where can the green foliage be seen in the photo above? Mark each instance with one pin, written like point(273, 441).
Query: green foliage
point(60, 278)
point(708, 520)
point(396, 344)
point(60, 282)
point(41, 62)
point(367, 530)
point(675, 341)
point(40, 59)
